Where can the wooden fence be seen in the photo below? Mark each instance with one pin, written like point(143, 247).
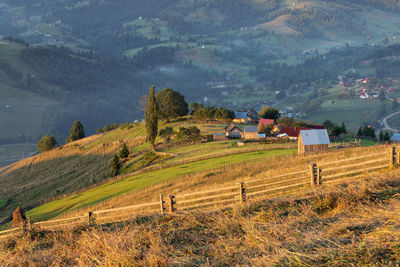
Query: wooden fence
point(355, 143)
point(311, 176)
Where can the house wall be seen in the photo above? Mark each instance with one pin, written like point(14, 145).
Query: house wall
point(251, 135)
point(235, 133)
point(311, 149)
point(239, 121)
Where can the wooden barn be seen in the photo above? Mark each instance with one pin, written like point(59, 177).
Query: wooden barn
point(251, 132)
point(313, 141)
point(232, 131)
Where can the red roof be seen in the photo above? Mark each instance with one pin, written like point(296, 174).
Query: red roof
point(320, 127)
point(292, 131)
point(266, 122)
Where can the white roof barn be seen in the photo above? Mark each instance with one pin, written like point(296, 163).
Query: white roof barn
point(315, 137)
point(313, 141)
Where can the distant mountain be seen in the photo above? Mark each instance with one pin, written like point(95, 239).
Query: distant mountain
point(92, 60)
point(43, 90)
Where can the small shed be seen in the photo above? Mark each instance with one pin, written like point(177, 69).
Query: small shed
point(313, 141)
point(232, 131)
point(395, 138)
point(251, 132)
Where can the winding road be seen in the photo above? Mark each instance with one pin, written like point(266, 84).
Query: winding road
point(386, 125)
point(384, 120)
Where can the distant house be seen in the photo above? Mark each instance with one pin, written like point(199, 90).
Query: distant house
point(243, 117)
point(265, 122)
point(395, 138)
point(292, 132)
point(232, 131)
point(313, 141)
point(251, 132)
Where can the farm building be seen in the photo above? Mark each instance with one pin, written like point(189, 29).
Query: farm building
point(243, 117)
point(251, 132)
point(313, 141)
point(265, 122)
point(232, 131)
point(292, 132)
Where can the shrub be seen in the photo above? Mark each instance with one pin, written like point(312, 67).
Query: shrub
point(124, 152)
point(166, 133)
point(115, 165)
point(188, 134)
point(47, 142)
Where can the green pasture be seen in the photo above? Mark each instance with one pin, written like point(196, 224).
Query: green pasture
point(352, 112)
point(113, 189)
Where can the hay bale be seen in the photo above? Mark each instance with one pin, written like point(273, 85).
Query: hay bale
point(19, 218)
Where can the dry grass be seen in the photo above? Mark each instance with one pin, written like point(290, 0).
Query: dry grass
point(225, 177)
point(346, 224)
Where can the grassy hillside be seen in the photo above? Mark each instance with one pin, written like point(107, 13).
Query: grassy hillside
point(345, 224)
point(84, 163)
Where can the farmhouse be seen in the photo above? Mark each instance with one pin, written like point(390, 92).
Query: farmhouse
point(265, 122)
point(243, 117)
point(313, 141)
point(232, 131)
point(292, 132)
point(251, 132)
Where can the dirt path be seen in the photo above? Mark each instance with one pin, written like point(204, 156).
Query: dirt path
point(386, 125)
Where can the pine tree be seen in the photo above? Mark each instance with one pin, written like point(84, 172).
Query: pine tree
point(380, 136)
point(77, 132)
point(360, 132)
point(152, 117)
point(115, 165)
point(124, 152)
point(386, 137)
point(343, 128)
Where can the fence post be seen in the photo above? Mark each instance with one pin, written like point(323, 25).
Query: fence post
point(313, 173)
point(89, 216)
point(319, 176)
point(171, 204)
point(393, 156)
point(242, 193)
point(162, 202)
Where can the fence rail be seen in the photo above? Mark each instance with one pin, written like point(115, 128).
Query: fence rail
point(311, 176)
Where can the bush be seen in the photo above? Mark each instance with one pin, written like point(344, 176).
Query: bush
point(166, 133)
point(188, 134)
point(47, 142)
point(124, 152)
point(110, 127)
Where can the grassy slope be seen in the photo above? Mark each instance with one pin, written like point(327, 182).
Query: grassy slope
point(125, 185)
point(354, 224)
point(86, 162)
